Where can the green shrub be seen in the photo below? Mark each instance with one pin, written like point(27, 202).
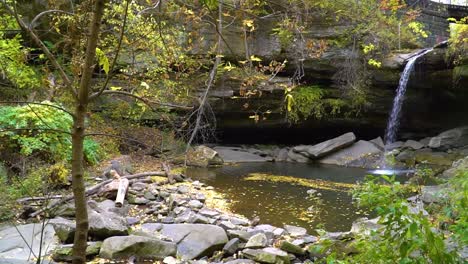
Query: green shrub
point(44, 129)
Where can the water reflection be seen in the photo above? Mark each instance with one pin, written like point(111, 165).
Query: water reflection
point(280, 202)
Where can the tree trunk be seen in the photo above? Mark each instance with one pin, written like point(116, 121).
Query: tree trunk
point(78, 186)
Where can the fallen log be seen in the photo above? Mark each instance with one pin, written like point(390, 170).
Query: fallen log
point(41, 198)
point(123, 186)
point(94, 189)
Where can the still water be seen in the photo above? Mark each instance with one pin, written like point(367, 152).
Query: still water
point(278, 195)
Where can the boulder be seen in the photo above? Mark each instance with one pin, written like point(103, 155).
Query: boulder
point(457, 166)
point(203, 156)
point(454, 138)
point(295, 231)
point(296, 157)
point(195, 240)
point(18, 242)
point(64, 229)
point(433, 194)
point(433, 158)
point(292, 248)
point(106, 224)
point(378, 142)
point(63, 253)
point(267, 255)
point(137, 246)
point(238, 155)
point(327, 147)
point(365, 226)
point(282, 154)
point(358, 151)
point(257, 241)
point(232, 246)
point(413, 144)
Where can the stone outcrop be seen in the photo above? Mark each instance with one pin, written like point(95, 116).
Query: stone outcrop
point(140, 246)
point(348, 156)
point(453, 138)
point(327, 147)
point(203, 156)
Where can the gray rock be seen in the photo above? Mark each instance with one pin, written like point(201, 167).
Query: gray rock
point(237, 155)
point(149, 196)
point(208, 212)
point(17, 242)
point(195, 204)
point(232, 246)
point(394, 145)
point(183, 189)
point(226, 225)
point(151, 228)
point(433, 194)
point(239, 221)
point(413, 144)
point(64, 229)
point(240, 261)
point(378, 142)
point(138, 246)
point(203, 156)
point(106, 224)
point(327, 147)
point(257, 241)
point(63, 253)
point(295, 231)
point(359, 150)
point(365, 226)
point(138, 186)
point(132, 220)
point(242, 235)
point(291, 248)
point(201, 197)
point(195, 240)
point(296, 157)
point(265, 228)
point(457, 167)
point(279, 232)
point(267, 255)
point(453, 138)
point(282, 155)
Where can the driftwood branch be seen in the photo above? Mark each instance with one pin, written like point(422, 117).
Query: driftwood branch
point(94, 189)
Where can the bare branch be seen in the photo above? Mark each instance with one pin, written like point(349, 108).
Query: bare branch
point(146, 101)
point(45, 13)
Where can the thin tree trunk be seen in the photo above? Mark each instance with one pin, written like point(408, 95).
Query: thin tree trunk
point(82, 224)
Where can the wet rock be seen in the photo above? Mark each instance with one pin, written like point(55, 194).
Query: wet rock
point(257, 241)
point(433, 158)
point(296, 157)
point(413, 144)
point(232, 246)
point(358, 151)
point(433, 194)
point(394, 145)
point(295, 231)
point(195, 240)
point(63, 253)
point(453, 138)
point(327, 147)
point(407, 157)
point(238, 155)
point(267, 255)
point(203, 156)
point(291, 248)
point(378, 142)
point(137, 246)
point(17, 242)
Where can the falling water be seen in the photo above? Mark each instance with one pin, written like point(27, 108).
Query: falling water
point(394, 120)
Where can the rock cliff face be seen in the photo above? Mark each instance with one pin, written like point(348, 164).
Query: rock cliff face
point(435, 98)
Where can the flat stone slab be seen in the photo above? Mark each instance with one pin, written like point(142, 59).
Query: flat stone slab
point(327, 147)
point(16, 243)
point(195, 240)
point(238, 155)
point(357, 151)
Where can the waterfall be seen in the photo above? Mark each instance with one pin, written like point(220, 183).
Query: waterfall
point(394, 120)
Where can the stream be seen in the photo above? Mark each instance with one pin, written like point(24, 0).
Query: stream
point(278, 193)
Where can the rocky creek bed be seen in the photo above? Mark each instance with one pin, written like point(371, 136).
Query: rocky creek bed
point(190, 222)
